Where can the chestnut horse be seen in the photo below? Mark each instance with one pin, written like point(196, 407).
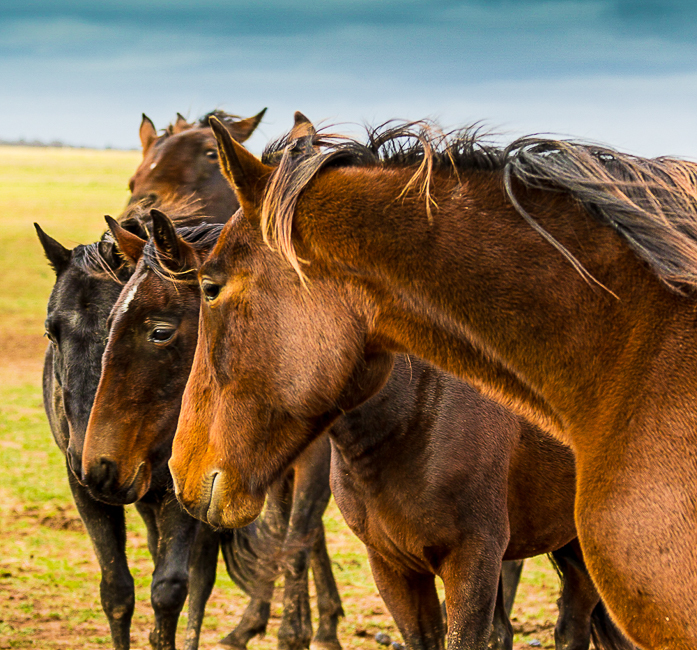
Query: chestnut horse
point(183, 162)
point(555, 275)
point(145, 366)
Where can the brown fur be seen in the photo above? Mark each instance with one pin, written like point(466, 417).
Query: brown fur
point(480, 293)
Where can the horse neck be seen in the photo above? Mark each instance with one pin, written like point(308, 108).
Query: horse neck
point(393, 427)
point(478, 292)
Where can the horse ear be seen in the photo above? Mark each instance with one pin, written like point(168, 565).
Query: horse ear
point(302, 128)
point(164, 234)
point(107, 251)
point(242, 129)
point(58, 255)
point(180, 125)
point(246, 173)
point(130, 245)
point(302, 135)
point(148, 133)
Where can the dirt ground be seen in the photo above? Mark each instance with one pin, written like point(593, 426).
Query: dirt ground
point(61, 615)
point(49, 578)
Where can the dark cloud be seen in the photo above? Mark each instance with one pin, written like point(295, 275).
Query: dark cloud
point(668, 19)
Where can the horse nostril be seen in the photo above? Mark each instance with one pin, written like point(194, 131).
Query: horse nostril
point(102, 475)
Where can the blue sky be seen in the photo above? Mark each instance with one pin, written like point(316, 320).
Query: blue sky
point(618, 71)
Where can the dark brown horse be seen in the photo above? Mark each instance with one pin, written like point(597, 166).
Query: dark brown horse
point(145, 366)
point(436, 479)
point(555, 275)
point(183, 162)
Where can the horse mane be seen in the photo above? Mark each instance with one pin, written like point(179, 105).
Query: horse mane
point(201, 123)
point(414, 144)
point(226, 118)
point(103, 260)
point(651, 203)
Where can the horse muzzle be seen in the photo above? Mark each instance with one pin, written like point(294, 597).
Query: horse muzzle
point(102, 480)
point(216, 503)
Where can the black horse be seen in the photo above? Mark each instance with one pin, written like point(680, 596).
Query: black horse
point(89, 280)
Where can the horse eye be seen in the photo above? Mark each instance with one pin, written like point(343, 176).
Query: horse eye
point(211, 290)
point(51, 332)
point(212, 154)
point(161, 334)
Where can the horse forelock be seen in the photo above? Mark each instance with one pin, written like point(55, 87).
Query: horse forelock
point(651, 203)
point(202, 237)
point(89, 259)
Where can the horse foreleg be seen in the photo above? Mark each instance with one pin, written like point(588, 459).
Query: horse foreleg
point(106, 526)
point(582, 615)
point(577, 601)
point(471, 577)
point(147, 514)
point(170, 580)
point(328, 599)
point(413, 602)
point(501, 637)
point(311, 494)
point(511, 571)
point(203, 563)
point(638, 530)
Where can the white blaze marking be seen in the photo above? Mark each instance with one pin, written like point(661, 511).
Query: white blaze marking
point(153, 165)
point(131, 294)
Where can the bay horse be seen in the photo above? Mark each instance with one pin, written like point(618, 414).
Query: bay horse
point(145, 366)
point(555, 275)
point(436, 479)
point(182, 162)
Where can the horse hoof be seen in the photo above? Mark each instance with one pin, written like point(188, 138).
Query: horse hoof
point(383, 639)
point(332, 644)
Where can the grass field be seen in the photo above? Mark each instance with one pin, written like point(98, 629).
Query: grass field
point(49, 578)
